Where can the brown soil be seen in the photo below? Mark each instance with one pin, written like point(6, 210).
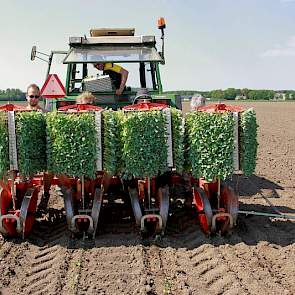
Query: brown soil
point(258, 258)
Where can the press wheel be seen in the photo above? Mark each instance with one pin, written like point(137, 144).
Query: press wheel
point(204, 209)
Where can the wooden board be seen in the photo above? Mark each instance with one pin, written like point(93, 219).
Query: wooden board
point(112, 32)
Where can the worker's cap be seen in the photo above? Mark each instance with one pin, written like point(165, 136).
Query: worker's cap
point(142, 93)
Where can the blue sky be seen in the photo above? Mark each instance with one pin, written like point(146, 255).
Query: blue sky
point(210, 44)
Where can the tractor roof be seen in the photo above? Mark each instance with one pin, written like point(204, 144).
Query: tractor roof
point(113, 40)
point(112, 45)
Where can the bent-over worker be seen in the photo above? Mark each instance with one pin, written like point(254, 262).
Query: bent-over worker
point(117, 74)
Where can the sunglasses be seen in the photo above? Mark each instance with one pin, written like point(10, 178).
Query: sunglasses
point(34, 96)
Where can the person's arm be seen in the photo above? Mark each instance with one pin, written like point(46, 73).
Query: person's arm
point(124, 76)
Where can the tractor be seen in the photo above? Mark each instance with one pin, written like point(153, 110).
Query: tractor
point(138, 54)
point(151, 200)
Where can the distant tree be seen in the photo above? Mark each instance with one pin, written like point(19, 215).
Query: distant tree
point(245, 92)
point(217, 94)
point(206, 94)
point(231, 93)
point(261, 94)
point(12, 94)
point(290, 94)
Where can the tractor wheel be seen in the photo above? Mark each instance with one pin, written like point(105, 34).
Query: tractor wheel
point(204, 209)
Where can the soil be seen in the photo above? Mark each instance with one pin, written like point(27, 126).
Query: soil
point(257, 258)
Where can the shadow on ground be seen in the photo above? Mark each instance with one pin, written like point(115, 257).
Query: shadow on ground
point(254, 184)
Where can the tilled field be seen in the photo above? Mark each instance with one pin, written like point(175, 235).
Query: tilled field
point(258, 258)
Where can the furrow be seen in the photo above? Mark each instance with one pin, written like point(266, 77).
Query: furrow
point(260, 279)
point(99, 265)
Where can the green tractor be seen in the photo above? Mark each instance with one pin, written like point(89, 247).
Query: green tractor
point(137, 54)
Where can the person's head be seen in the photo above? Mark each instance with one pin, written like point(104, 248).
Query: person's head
point(33, 95)
point(142, 95)
point(197, 101)
point(99, 66)
point(85, 98)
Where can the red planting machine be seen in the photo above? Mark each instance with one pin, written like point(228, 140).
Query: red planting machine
point(216, 203)
point(18, 196)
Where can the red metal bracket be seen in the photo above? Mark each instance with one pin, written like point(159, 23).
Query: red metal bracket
point(219, 108)
point(80, 108)
point(145, 106)
point(12, 107)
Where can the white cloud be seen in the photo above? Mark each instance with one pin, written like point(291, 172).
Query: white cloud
point(282, 50)
point(291, 41)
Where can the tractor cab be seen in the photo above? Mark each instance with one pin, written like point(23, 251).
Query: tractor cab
point(113, 47)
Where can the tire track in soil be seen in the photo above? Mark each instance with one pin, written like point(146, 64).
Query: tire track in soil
point(193, 266)
point(271, 253)
point(209, 272)
point(217, 267)
point(280, 267)
point(259, 264)
point(250, 270)
point(47, 258)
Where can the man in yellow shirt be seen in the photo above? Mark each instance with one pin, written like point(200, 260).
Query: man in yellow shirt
point(118, 75)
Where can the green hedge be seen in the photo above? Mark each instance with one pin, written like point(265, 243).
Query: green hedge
point(210, 144)
point(71, 144)
point(143, 142)
point(248, 141)
point(31, 143)
point(144, 145)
